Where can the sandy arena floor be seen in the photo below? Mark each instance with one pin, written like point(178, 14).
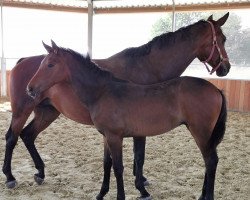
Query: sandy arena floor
point(73, 157)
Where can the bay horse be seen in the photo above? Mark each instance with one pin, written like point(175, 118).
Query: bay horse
point(163, 58)
point(121, 109)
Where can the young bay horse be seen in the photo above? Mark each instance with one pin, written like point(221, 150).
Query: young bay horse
point(163, 58)
point(121, 109)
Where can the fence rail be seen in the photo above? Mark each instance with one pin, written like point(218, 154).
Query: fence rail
point(237, 92)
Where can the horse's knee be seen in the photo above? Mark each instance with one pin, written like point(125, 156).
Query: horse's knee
point(107, 162)
point(29, 134)
point(27, 140)
point(118, 170)
point(11, 139)
point(11, 143)
point(212, 161)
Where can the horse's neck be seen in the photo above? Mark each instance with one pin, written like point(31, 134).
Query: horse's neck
point(171, 61)
point(159, 65)
point(86, 83)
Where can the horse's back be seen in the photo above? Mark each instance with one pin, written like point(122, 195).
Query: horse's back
point(195, 85)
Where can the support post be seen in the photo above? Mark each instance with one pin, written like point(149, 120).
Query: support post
point(90, 26)
point(173, 16)
point(3, 64)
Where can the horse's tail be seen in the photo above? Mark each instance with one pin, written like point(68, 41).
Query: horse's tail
point(220, 126)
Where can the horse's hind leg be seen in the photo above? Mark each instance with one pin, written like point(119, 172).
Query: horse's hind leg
point(44, 116)
point(140, 185)
point(139, 157)
point(115, 146)
point(203, 137)
point(211, 161)
point(139, 153)
point(107, 164)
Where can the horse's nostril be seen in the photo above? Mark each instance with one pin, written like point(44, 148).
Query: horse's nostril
point(29, 89)
point(31, 92)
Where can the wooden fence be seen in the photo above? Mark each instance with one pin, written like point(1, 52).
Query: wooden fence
point(7, 79)
point(237, 92)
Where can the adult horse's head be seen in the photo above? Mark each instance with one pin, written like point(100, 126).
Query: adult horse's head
point(212, 50)
point(50, 71)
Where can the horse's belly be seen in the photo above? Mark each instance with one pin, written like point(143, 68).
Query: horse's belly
point(152, 129)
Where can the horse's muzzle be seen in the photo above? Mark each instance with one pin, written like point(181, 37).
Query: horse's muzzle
point(31, 92)
point(224, 69)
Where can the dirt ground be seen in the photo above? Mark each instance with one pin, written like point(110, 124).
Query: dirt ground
point(73, 157)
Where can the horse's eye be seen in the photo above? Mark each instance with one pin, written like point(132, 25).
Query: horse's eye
point(50, 65)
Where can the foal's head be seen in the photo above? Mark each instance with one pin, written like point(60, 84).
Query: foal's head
point(52, 70)
point(212, 50)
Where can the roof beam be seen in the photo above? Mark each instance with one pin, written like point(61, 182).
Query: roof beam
point(178, 8)
point(43, 6)
point(131, 9)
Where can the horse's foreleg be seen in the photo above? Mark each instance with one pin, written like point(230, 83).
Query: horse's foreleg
point(107, 164)
point(44, 116)
point(203, 194)
point(115, 147)
point(139, 157)
point(11, 140)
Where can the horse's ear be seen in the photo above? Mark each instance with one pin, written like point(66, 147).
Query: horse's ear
point(47, 47)
point(210, 18)
point(222, 20)
point(54, 47)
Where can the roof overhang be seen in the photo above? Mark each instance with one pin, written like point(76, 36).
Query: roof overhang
point(128, 6)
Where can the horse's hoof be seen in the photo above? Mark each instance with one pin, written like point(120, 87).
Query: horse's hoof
point(11, 184)
point(38, 180)
point(144, 198)
point(146, 183)
point(99, 197)
point(202, 198)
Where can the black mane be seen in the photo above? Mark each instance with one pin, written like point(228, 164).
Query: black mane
point(162, 40)
point(87, 62)
point(117, 89)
